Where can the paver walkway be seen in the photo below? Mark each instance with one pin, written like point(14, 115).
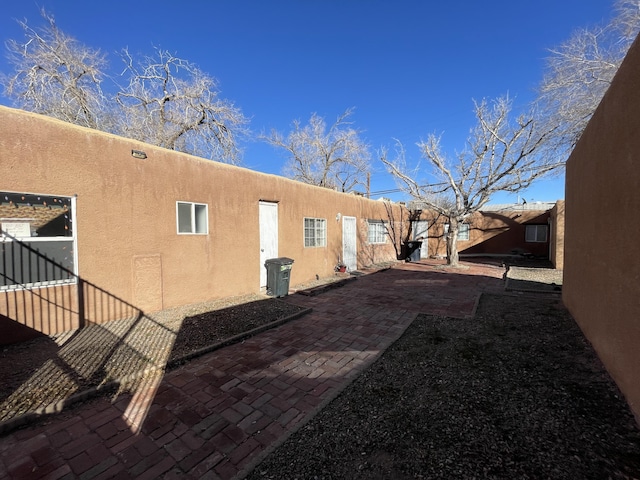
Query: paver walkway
point(217, 416)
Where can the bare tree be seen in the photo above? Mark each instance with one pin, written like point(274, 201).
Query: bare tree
point(171, 103)
point(580, 70)
point(168, 101)
point(55, 75)
point(333, 158)
point(501, 155)
point(626, 22)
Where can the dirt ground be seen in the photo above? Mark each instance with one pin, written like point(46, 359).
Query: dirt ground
point(517, 392)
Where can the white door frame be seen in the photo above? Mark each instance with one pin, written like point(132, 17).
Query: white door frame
point(350, 243)
point(268, 223)
point(420, 228)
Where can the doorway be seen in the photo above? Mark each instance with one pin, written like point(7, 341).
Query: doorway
point(268, 218)
point(420, 230)
point(349, 243)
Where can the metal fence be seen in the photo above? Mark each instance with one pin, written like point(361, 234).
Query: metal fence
point(25, 263)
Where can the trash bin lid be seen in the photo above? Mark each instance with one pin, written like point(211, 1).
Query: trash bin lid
point(279, 261)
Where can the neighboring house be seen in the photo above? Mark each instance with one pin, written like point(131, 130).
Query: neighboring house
point(601, 286)
point(533, 229)
point(129, 228)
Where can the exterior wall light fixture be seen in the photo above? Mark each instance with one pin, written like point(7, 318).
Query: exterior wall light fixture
point(138, 154)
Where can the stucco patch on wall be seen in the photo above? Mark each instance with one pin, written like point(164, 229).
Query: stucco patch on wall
point(147, 282)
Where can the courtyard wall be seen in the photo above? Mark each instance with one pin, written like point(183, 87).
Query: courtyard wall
point(601, 255)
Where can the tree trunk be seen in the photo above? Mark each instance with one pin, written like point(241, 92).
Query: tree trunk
point(452, 243)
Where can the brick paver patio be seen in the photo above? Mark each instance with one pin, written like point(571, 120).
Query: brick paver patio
point(218, 415)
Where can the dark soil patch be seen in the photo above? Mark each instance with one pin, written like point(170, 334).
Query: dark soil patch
point(517, 392)
point(213, 327)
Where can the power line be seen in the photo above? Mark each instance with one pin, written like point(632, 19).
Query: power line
point(397, 190)
point(440, 184)
point(384, 192)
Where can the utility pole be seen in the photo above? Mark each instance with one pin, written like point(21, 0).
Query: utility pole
point(368, 184)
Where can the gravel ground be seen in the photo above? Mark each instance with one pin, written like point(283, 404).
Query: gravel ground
point(533, 279)
point(516, 392)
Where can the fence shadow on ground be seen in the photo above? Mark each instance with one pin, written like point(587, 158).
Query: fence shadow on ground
point(54, 369)
point(126, 356)
point(115, 340)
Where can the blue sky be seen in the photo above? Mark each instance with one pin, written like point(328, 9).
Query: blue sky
point(407, 67)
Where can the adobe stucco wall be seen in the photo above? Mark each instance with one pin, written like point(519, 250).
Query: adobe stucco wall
point(126, 214)
point(503, 232)
point(25, 315)
point(556, 240)
point(601, 257)
point(491, 232)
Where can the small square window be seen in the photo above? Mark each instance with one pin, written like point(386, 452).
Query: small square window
point(315, 232)
point(192, 218)
point(377, 232)
point(463, 230)
point(536, 233)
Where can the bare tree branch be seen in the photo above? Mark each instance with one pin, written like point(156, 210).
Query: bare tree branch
point(580, 70)
point(168, 101)
point(55, 75)
point(171, 103)
point(333, 158)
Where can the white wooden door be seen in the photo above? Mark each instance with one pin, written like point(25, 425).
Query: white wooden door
point(268, 236)
point(421, 232)
point(349, 243)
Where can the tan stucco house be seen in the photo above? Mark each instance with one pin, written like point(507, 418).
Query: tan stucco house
point(97, 227)
point(142, 228)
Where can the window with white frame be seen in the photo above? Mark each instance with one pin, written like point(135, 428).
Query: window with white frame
point(463, 230)
point(536, 233)
point(377, 231)
point(192, 218)
point(37, 240)
point(315, 232)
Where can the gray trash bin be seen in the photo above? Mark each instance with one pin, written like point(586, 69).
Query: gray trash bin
point(278, 274)
point(413, 251)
